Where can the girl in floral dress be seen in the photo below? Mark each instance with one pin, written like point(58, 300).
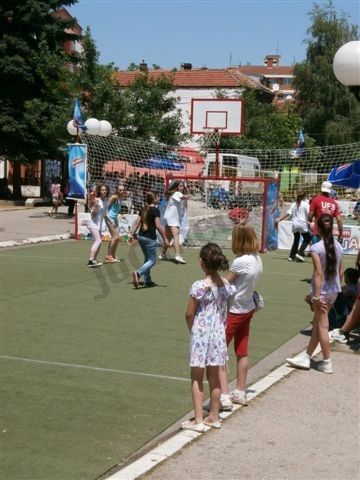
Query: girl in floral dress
point(206, 318)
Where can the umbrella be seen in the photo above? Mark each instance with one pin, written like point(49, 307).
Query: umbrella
point(347, 175)
point(162, 163)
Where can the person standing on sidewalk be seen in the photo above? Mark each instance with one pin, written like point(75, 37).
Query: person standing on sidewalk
point(148, 222)
point(323, 204)
point(206, 320)
point(298, 212)
point(325, 285)
point(245, 272)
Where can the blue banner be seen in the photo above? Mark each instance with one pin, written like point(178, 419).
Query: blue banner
point(77, 171)
point(272, 212)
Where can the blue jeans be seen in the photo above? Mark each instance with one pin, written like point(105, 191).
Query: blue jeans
point(148, 246)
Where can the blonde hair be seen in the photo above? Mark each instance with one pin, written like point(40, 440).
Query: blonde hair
point(244, 240)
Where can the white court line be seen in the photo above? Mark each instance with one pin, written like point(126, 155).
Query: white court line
point(180, 439)
point(98, 369)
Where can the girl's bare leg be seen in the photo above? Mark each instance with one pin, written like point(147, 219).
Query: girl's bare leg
point(242, 367)
point(320, 331)
point(197, 391)
point(212, 374)
point(223, 378)
point(168, 235)
point(176, 236)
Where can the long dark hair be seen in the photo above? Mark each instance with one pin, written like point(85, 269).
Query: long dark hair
point(325, 226)
point(174, 187)
point(149, 199)
point(213, 258)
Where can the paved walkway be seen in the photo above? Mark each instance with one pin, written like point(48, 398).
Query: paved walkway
point(306, 426)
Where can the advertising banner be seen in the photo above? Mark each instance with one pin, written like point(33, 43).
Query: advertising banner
point(125, 223)
point(77, 155)
point(351, 237)
point(271, 214)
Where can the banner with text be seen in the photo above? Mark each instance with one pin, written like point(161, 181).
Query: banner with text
point(77, 155)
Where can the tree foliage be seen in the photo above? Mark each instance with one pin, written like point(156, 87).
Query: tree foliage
point(266, 127)
point(329, 110)
point(34, 80)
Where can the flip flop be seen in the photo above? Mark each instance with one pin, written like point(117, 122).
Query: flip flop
point(195, 427)
point(216, 424)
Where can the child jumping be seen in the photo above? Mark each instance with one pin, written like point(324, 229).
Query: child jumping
point(206, 318)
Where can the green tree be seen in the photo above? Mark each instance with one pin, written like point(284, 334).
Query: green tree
point(34, 81)
point(329, 110)
point(152, 112)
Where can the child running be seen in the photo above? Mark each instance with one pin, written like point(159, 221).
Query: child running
point(206, 319)
point(325, 285)
point(148, 222)
point(97, 207)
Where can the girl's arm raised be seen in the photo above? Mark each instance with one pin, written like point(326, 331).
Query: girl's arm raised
point(190, 311)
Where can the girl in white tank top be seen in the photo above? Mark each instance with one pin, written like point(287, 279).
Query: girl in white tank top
point(98, 210)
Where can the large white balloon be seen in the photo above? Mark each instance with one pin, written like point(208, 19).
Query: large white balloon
point(71, 129)
point(346, 64)
point(92, 126)
point(105, 128)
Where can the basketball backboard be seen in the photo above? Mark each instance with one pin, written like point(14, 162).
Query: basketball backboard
point(212, 113)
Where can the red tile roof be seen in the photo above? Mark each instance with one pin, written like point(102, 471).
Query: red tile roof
point(196, 78)
point(263, 70)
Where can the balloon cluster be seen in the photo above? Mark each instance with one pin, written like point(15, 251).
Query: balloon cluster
point(93, 127)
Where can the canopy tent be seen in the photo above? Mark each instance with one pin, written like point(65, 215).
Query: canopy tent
point(162, 163)
point(347, 175)
point(191, 154)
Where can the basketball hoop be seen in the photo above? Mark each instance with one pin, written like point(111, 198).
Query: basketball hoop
point(211, 137)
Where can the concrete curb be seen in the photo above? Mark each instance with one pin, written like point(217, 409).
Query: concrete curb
point(28, 241)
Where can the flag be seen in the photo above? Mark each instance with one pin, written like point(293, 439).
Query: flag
point(300, 146)
point(78, 121)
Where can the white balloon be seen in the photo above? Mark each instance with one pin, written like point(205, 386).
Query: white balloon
point(92, 126)
point(71, 129)
point(105, 128)
point(346, 64)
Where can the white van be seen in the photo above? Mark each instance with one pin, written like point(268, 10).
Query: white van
point(232, 165)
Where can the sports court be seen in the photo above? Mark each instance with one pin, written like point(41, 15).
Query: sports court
point(93, 369)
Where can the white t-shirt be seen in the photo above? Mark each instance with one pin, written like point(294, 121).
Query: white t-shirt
point(173, 210)
point(96, 218)
point(299, 216)
point(248, 270)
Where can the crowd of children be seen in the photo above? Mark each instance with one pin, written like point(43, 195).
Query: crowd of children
point(220, 309)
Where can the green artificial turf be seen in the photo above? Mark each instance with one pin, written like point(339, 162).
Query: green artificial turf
point(63, 421)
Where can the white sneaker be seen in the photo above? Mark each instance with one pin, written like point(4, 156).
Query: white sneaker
point(239, 397)
point(300, 361)
point(179, 259)
point(290, 259)
point(300, 257)
point(225, 403)
point(325, 366)
point(163, 256)
point(338, 336)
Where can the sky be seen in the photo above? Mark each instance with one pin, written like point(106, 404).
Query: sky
point(211, 33)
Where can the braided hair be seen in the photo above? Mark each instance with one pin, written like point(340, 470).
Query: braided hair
point(213, 258)
point(325, 226)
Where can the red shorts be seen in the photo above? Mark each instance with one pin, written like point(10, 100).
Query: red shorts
point(237, 327)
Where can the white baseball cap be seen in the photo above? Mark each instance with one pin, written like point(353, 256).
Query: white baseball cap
point(326, 187)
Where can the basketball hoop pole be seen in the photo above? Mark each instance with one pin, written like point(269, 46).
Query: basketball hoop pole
point(217, 155)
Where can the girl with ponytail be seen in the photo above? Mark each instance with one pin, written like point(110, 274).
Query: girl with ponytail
point(147, 222)
point(325, 286)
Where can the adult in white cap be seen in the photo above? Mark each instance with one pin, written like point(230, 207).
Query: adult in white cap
point(324, 204)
